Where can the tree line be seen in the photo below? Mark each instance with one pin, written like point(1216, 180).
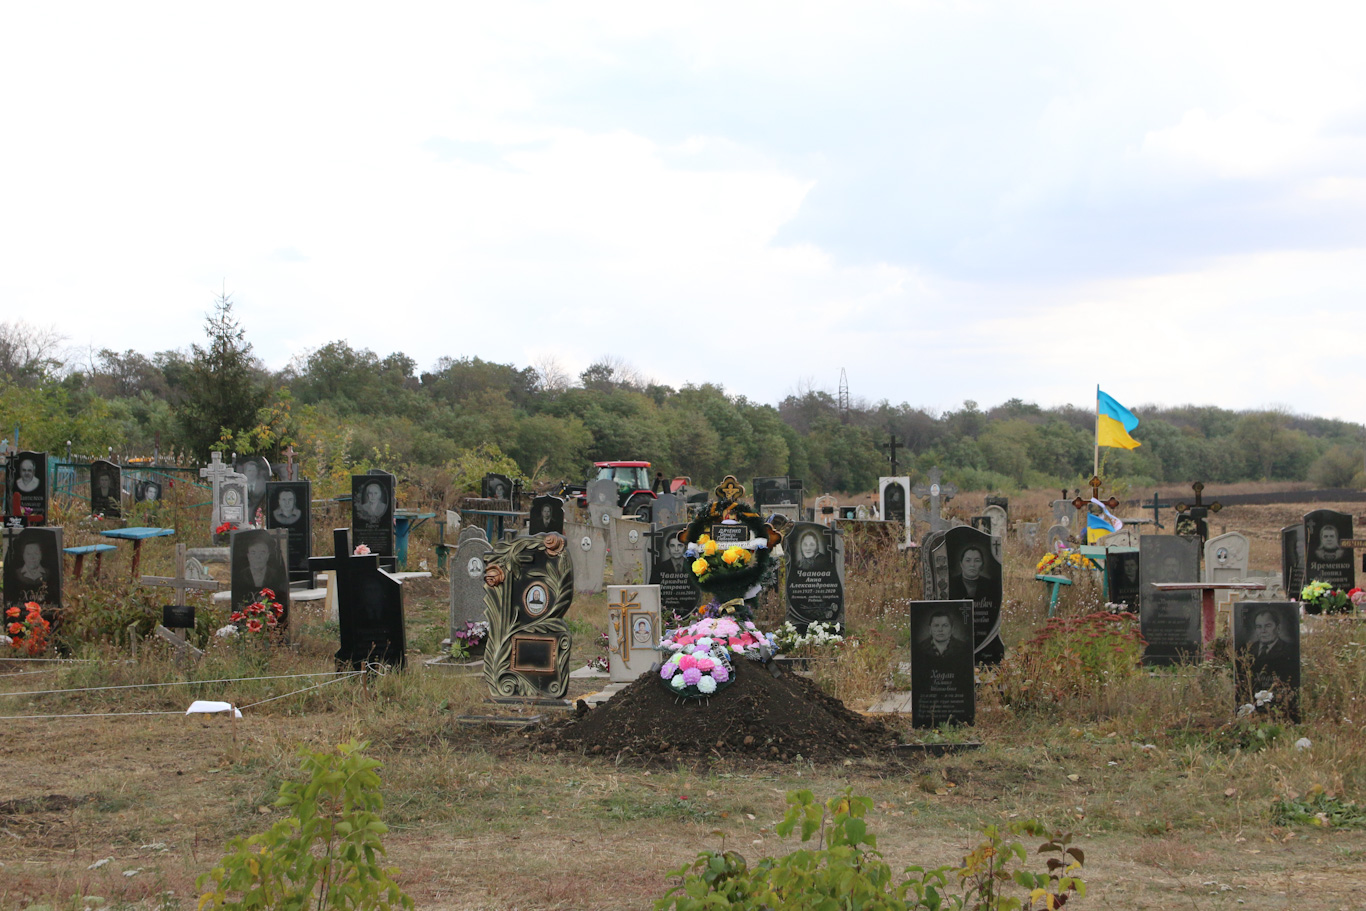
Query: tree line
point(345, 410)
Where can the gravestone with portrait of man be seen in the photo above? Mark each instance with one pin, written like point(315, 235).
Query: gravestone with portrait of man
point(288, 507)
point(369, 606)
point(1266, 649)
point(815, 575)
point(33, 567)
point(1226, 558)
point(1123, 576)
point(671, 571)
point(26, 487)
point(529, 586)
point(634, 628)
point(372, 512)
point(967, 566)
point(467, 582)
point(942, 677)
point(1326, 558)
point(257, 562)
point(106, 489)
point(1169, 621)
point(588, 551)
point(546, 514)
point(1293, 559)
point(256, 469)
point(628, 550)
point(147, 490)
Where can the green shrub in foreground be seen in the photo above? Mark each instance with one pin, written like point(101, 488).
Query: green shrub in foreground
point(851, 874)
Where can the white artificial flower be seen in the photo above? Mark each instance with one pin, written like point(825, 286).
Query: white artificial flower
point(226, 632)
point(1303, 743)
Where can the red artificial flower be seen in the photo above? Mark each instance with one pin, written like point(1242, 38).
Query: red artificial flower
point(12, 612)
point(279, 609)
point(16, 629)
point(254, 625)
point(236, 617)
point(267, 594)
point(272, 622)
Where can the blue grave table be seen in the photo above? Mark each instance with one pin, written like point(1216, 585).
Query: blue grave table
point(98, 550)
point(405, 521)
point(494, 520)
point(137, 536)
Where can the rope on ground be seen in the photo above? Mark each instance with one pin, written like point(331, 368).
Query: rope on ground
point(136, 686)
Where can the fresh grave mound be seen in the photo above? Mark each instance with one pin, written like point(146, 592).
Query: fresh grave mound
point(758, 715)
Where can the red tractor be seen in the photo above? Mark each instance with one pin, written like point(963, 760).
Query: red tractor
point(633, 480)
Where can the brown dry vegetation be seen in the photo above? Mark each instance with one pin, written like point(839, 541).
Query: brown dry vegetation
point(1168, 815)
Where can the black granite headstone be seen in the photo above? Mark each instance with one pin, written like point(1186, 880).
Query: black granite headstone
point(529, 585)
point(27, 492)
point(256, 564)
point(1292, 559)
point(287, 507)
point(942, 685)
point(547, 514)
point(815, 575)
point(106, 487)
point(1122, 574)
point(1326, 560)
point(671, 570)
point(257, 471)
point(981, 523)
point(33, 567)
point(1266, 642)
point(1169, 621)
point(148, 491)
point(369, 606)
point(372, 512)
point(974, 574)
point(894, 499)
point(496, 487)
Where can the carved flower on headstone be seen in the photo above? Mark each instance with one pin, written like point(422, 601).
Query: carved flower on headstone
point(554, 544)
point(493, 575)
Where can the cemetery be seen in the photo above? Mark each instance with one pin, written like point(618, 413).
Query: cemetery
point(569, 674)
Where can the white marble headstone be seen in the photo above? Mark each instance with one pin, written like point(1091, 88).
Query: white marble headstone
point(633, 630)
point(628, 550)
point(587, 546)
point(1226, 558)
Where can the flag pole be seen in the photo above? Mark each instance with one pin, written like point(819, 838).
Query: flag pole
point(1096, 470)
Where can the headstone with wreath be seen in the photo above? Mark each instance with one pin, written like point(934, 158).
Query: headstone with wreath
point(732, 550)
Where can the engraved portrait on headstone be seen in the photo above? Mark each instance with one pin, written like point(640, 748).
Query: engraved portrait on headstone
point(106, 488)
point(1121, 569)
point(256, 565)
point(1169, 621)
point(372, 512)
point(1327, 560)
point(256, 469)
point(28, 483)
point(893, 495)
point(974, 574)
point(33, 568)
point(671, 570)
point(942, 685)
point(547, 514)
point(815, 575)
point(287, 507)
point(1266, 642)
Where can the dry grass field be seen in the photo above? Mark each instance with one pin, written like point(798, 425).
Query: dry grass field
point(1174, 803)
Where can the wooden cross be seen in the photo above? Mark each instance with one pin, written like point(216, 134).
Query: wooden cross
point(289, 463)
point(891, 447)
point(1080, 503)
point(181, 585)
point(936, 491)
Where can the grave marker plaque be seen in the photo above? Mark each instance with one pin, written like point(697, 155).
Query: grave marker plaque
point(633, 630)
point(27, 487)
point(1293, 559)
point(33, 567)
point(942, 686)
point(972, 562)
point(815, 575)
point(1169, 621)
point(372, 512)
point(288, 507)
point(1326, 559)
point(547, 514)
point(1122, 571)
point(671, 570)
point(529, 587)
point(106, 489)
point(1266, 642)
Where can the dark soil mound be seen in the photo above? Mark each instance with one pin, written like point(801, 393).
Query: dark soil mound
point(758, 715)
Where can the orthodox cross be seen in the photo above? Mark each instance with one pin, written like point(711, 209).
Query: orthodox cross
point(936, 491)
point(619, 614)
point(1198, 510)
point(1081, 503)
point(891, 447)
point(289, 463)
point(1157, 506)
point(216, 470)
point(730, 490)
point(181, 584)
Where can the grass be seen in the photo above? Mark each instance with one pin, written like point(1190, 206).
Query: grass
point(1164, 790)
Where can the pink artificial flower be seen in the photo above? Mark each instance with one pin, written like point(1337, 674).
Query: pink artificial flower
point(705, 664)
point(687, 661)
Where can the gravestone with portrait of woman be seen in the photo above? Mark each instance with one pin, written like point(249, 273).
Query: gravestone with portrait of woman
point(815, 575)
point(106, 489)
point(1169, 620)
point(26, 487)
point(467, 582)
point(1326, 559)
point(256, 469)
point(496, 487)
point(671, 571)
point(257, 562)
point(1266, 649)
point(547, 514)
point(942, 677)
point(288, 508)
point(967, 566)
point(33, 567)
point(372, 512)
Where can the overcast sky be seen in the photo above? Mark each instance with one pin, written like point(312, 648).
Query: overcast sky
point(950, 200)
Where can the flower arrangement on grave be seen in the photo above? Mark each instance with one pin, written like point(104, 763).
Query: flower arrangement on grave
point(1321, 598)
point(817, 636)
point(225, 528)
point(601, 662)
point(699, 666)
point(464, 642)
point(731, 570)
point(25, 629)
point(1063, 561)
point(738, 637)
point(259, 618)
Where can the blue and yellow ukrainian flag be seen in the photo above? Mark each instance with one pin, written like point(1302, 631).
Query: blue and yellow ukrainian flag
point(1113, 423)
point(1097, 528)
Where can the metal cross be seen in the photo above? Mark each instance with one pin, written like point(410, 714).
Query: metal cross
point(1157, 506)
point(891, 447)
point(1081, 503)
point(730, 489)
point(937, 492)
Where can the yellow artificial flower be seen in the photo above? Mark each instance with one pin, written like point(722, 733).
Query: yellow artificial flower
point(709, 546)
point(700, 566)
point(731, 555)
point(742, 555)
point(704, 539)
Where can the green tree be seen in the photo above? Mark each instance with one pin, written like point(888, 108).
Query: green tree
point(224, 385)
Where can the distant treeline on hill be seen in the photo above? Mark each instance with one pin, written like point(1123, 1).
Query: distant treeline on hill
point(345, 409)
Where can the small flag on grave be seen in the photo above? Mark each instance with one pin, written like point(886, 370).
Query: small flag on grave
point(1098, 526)
point(1114, 422)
